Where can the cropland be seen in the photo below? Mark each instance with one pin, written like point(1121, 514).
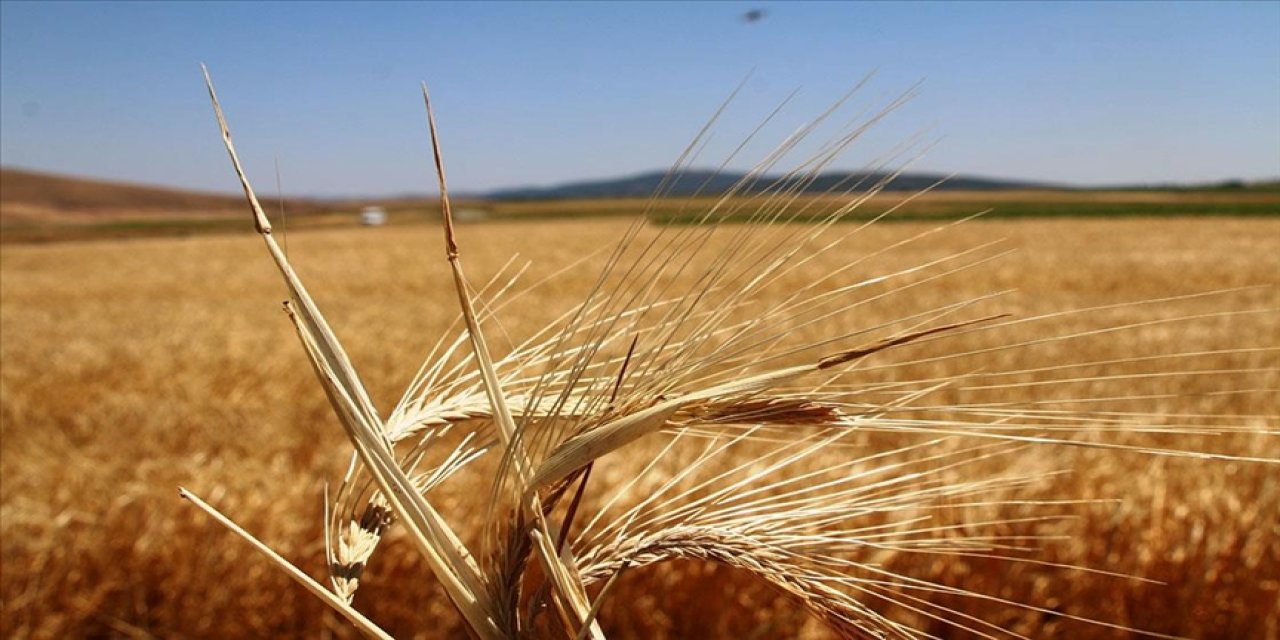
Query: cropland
point(37, 207)
point(133, 366)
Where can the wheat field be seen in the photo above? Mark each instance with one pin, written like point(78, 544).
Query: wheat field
point(133, 367)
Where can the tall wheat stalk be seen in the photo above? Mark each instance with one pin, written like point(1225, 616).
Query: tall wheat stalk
point(679, 372)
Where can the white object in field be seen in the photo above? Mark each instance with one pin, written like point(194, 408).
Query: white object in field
point(373, 216)
point(469, 214)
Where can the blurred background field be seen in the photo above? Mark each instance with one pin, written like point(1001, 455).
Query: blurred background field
point(134, 366)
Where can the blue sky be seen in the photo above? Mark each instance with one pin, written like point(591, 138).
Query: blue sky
point(539, 93)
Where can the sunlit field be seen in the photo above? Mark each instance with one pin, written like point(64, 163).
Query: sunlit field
point(131, 367)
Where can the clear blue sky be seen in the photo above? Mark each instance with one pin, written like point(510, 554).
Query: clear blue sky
point(538, 93)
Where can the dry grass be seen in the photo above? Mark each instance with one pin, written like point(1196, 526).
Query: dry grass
point(133, 367)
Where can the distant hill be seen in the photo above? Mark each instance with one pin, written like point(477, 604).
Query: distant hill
point(706, 182)
point(26, 193)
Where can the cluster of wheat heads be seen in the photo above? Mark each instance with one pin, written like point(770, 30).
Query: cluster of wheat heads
point(697, 398)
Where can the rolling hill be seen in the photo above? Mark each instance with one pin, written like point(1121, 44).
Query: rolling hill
point(705, 182)
point(34, 195)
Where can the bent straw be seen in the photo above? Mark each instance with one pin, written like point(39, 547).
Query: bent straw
point(362, 623)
